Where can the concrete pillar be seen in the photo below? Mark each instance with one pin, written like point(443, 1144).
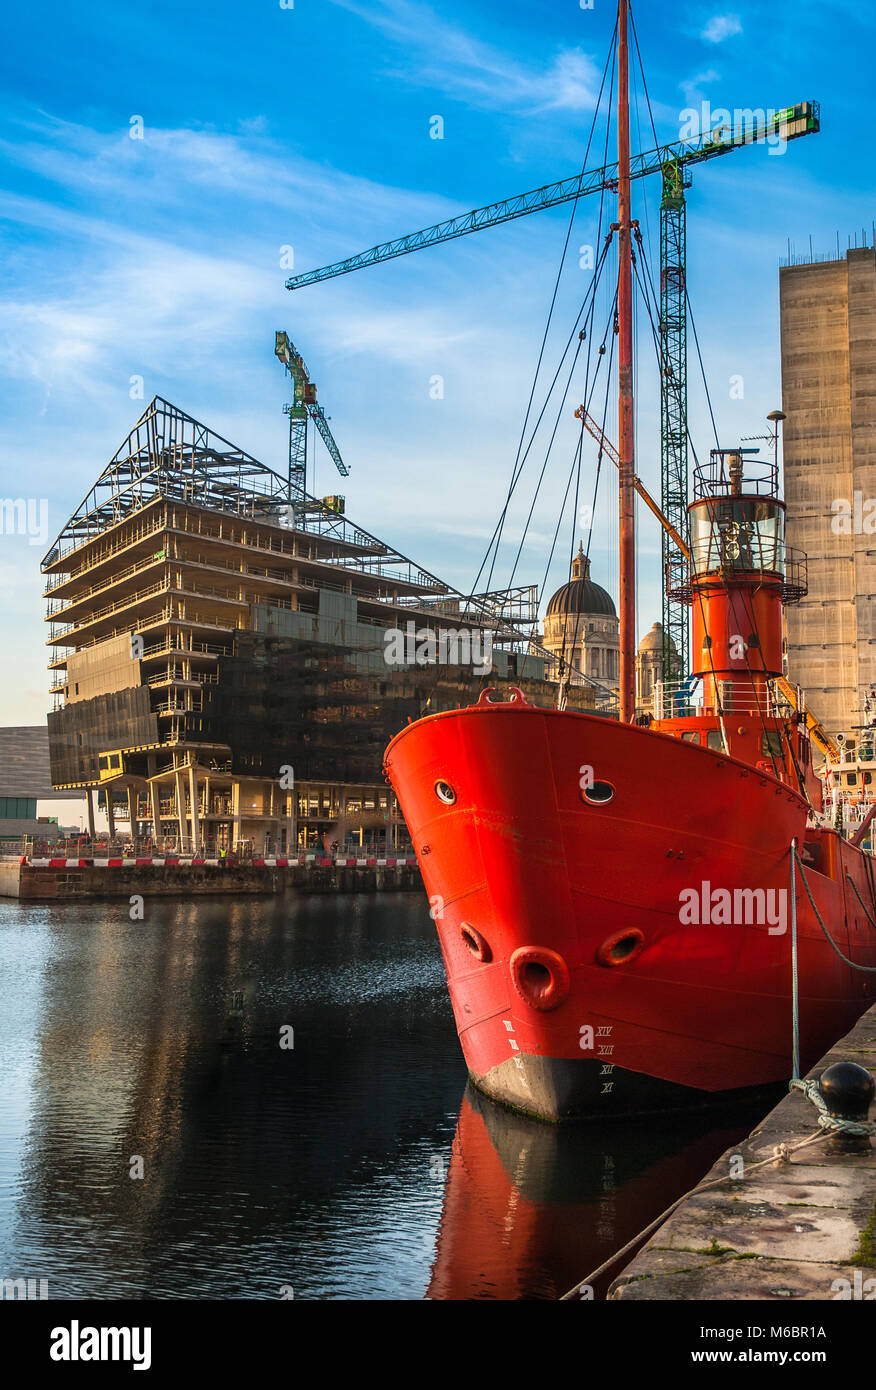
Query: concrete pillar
point(132, 810)
point(180, 806)
point(235, 811)
point(110, 816)
point(193, 794)
point(155, 804)
point(89, 808)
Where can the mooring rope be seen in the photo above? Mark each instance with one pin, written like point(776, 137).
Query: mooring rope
point(812, 1091)
point(781, 1154)
point(869, 969)
point(870, 919)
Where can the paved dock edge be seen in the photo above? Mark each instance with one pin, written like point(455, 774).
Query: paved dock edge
point(798, 1230)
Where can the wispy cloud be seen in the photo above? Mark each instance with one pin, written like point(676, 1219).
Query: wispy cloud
point(150, 288)
point(721, 27)
point(692, 87)
point(438, 53)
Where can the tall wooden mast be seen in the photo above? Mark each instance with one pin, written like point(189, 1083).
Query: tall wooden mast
point(627, 547)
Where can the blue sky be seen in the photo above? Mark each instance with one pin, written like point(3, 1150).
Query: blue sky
point(266, 127)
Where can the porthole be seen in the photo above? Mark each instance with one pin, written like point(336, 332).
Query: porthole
point(621, 948)
point(598, 793)
point(445, 793)
point(540, 976)
point(475, 943)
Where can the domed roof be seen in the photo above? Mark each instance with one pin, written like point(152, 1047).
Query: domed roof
point(653, 640)
point(581, 595)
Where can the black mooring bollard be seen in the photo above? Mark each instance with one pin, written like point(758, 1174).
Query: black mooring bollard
point(848, 1091)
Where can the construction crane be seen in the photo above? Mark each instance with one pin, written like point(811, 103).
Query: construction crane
point(304, 407)
point(673, 162)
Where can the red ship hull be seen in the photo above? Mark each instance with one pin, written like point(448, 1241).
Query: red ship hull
point(577, 985)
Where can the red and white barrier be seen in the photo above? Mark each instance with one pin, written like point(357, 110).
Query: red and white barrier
point(170, 862)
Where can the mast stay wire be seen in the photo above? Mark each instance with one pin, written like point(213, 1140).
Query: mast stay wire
point(591, 297)
point(718, 698)
point(589, 318)
point(515, 480)
point(518, 462)
point(576, 464)
point(588, 333)
point(746, 600)
point(588, 386)
point(611, 319)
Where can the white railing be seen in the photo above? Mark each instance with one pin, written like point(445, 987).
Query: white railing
point(685, 699)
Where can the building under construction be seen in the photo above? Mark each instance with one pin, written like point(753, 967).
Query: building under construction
point(828, 315)
point(219, 646)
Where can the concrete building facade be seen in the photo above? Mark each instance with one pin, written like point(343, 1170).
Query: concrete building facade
point(828, 330)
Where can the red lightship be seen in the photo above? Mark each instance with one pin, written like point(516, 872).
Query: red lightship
point(619, 904)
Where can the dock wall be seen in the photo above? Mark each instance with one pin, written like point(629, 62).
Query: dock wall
point(65, 880)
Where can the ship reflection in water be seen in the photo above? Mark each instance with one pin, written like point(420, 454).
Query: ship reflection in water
point(531, 1209)
point(339, 1167)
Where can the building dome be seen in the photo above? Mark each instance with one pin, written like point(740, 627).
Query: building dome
point(650, 668)
point(653, 640)
point(581, 595)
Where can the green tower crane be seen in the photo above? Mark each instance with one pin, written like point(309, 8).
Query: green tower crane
point(304, 407)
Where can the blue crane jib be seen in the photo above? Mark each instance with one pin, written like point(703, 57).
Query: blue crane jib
point(787, 124)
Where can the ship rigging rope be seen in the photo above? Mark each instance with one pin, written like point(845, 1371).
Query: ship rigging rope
point(645, 285)
point(662, 364)
point(587, 333)
point(572, 473)
point(588, 387)
point(700, 360)
point(520, 462)
point(868, 969)
point(495, 539)
point(591, 296)
point(547, 460)
point(508, 628)
point(578, 616)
